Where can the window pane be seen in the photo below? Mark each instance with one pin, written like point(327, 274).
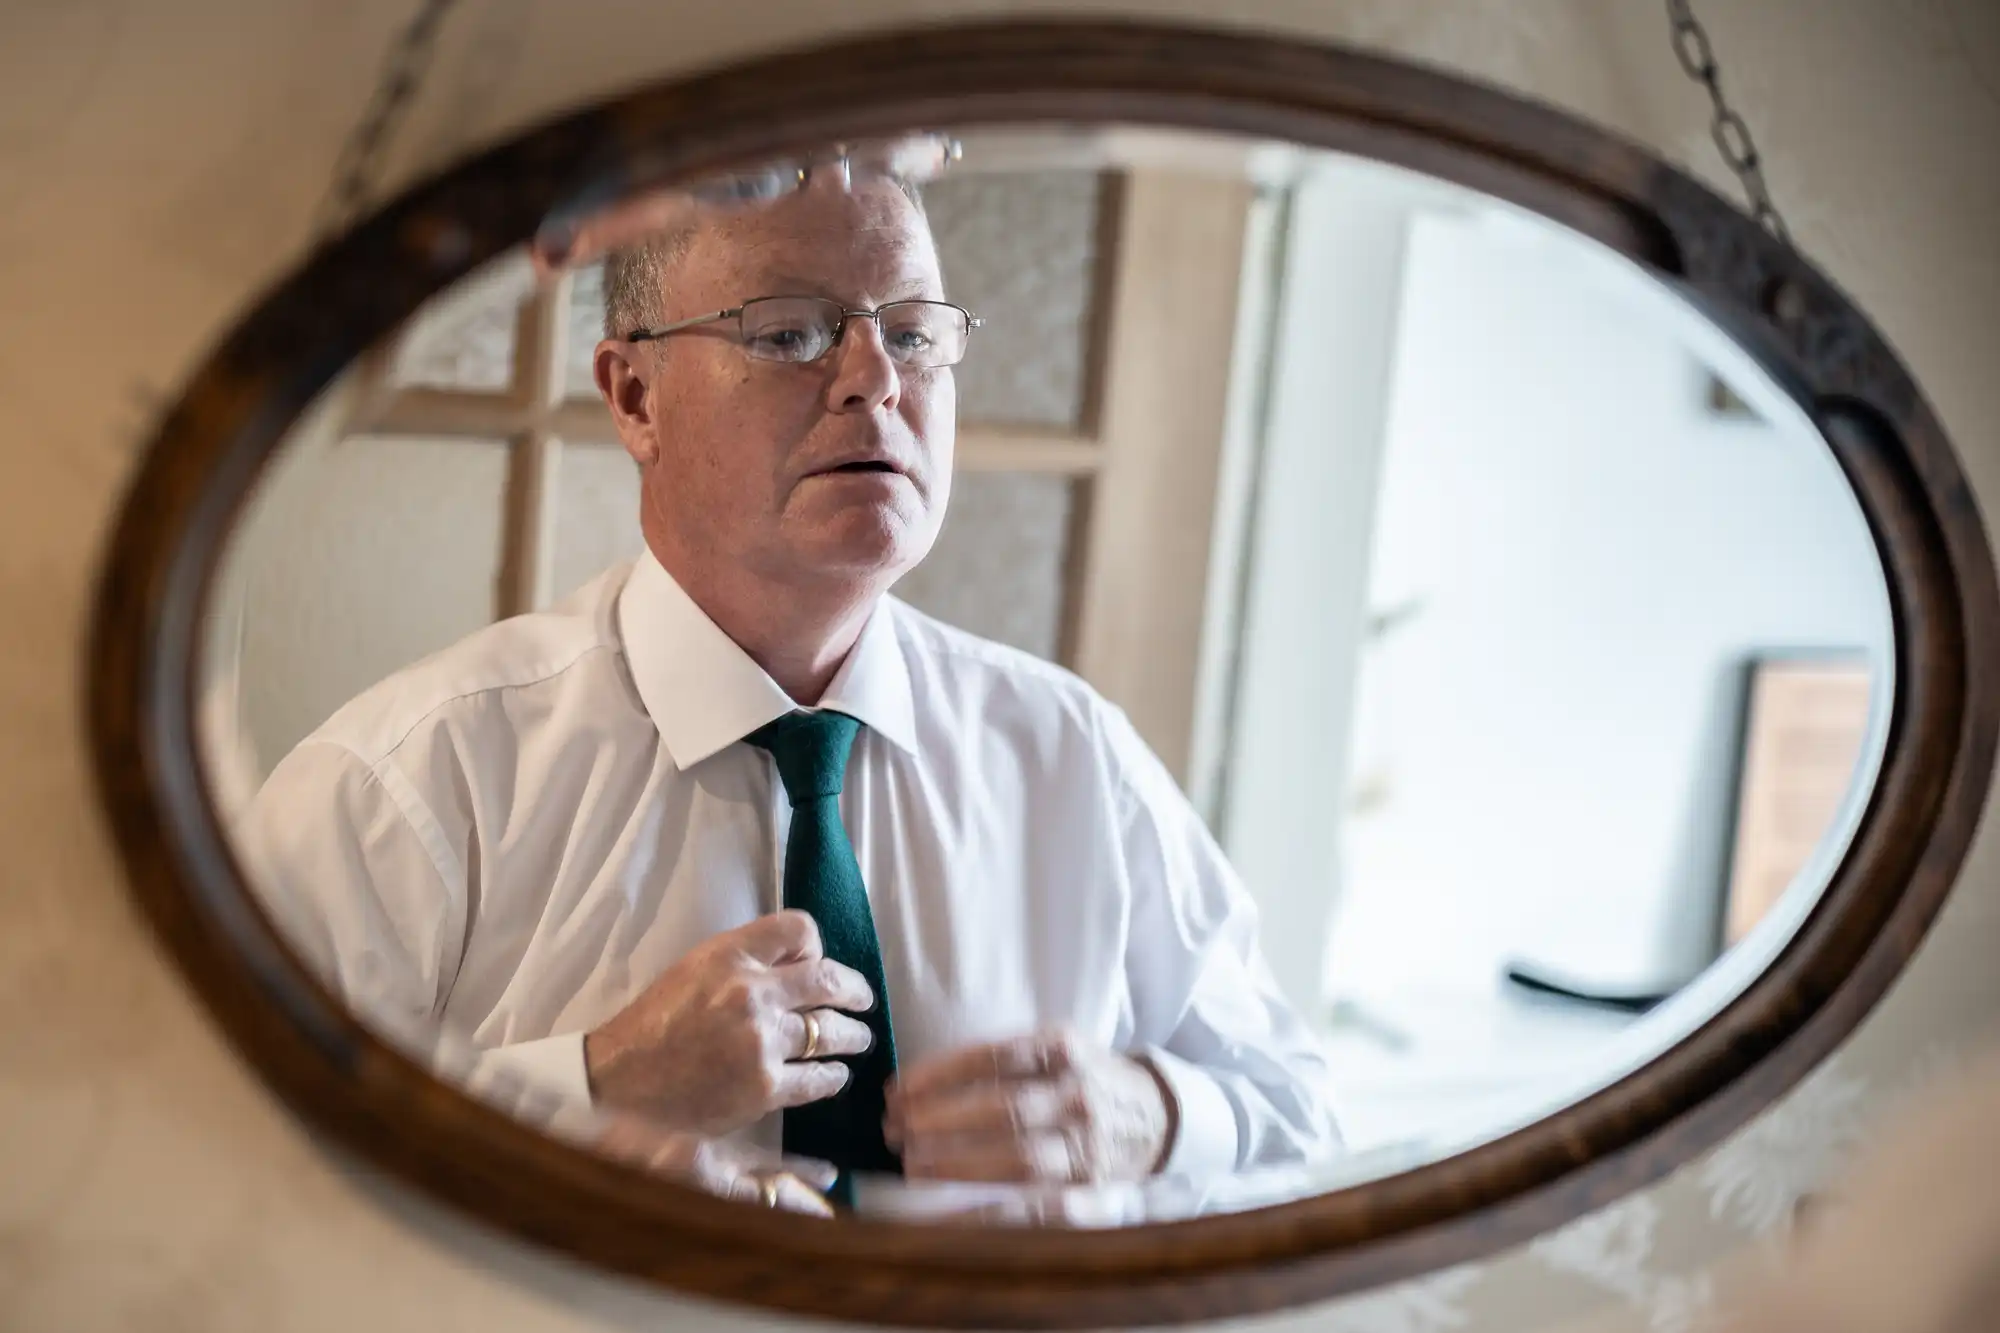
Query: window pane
point(597, 514)
point(586, 327)
point(997, 568)
point(1020, 251)
point(463, 338)
point(327, 531)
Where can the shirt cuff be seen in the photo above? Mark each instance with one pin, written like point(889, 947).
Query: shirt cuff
point(548, 1069)
point(1205, 1139)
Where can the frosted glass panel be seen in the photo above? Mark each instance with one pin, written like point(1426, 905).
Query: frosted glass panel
point(464, 339)
point(997, 568)
point(586, 327)
point(357, 559)
point(597, 514)
point(1020, 251)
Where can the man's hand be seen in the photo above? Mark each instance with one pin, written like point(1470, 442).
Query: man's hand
point(1047, 1107)
point(726, 1170)
point(713, 1045)
point(613, 227)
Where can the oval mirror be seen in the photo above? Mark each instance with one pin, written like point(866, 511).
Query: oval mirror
point(1124, 694)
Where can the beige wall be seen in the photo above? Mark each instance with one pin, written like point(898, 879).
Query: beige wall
point(157, 163)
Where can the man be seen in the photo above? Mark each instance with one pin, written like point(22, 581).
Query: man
point(1011, 953)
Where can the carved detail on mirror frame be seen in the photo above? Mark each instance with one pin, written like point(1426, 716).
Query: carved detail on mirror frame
point(1817, 328)
point(348, 297)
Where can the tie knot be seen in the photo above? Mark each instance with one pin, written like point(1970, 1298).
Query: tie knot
point(810, 750)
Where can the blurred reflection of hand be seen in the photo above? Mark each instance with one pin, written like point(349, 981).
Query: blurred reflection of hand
point(613, 227)
point(726, 1170)
point(1046, 1107)
point(573, 239)
point(715, 1044)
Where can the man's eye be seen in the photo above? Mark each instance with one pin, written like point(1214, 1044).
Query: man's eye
point(784, 343)
point(910, 340)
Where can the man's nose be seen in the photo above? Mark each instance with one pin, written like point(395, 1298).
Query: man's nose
point(864, 378)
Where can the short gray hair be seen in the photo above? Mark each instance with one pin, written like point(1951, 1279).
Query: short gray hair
point(635, 277)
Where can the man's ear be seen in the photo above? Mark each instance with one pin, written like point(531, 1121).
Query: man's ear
point(621, 374)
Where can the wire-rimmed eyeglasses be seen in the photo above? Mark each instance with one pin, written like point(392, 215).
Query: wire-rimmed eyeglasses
point(922, 335)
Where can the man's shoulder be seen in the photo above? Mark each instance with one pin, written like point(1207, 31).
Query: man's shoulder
point(960, 662)
point(1032, 703)
point(541, 649)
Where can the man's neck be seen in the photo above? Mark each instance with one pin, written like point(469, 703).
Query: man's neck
point(800, 636)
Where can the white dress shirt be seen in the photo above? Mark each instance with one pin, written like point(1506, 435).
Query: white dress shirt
point(511, 839)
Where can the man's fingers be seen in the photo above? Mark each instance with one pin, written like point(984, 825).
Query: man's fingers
point(838, 1034)
point(620, 225)
point(816, 983)
point(793, 1194)
point(1041, 1156)
point(1011, 1108)
point(782, 937)
point(820, 1175)
point(1037, 1055)
point(796, 1196)
point(813, 1081)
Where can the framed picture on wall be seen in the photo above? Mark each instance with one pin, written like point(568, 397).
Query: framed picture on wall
point(1805, 720)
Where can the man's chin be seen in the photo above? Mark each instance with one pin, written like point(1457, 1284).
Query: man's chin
point(879, 543)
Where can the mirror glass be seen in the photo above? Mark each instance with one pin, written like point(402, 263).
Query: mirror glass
point(1077, 675)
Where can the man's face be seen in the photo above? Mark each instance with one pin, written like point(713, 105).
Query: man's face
point(829, 472)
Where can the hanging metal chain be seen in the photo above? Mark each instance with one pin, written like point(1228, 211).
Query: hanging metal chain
point(403, 72)
point(1729, 130)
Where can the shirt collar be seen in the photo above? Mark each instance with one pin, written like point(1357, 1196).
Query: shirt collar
point(705, 693)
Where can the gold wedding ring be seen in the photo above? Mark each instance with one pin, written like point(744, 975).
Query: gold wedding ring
point(771, 1183)
point(812, 1034)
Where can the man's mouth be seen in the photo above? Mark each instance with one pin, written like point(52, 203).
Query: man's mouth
point(874, 465)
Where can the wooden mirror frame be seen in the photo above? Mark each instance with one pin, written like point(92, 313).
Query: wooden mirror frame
point(235, 411)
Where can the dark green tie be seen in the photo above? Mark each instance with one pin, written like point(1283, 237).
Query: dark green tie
point(823, 879)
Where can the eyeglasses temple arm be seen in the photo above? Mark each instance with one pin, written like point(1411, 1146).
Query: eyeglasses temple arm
point(654, 335)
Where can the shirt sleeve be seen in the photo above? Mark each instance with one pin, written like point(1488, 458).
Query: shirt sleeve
point(1248, 1074)
point(358, 877)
